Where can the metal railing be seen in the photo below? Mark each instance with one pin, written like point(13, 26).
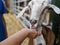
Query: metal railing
point(15, 5)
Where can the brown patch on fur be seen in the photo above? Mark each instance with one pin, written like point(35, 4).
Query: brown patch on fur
point(48, 35)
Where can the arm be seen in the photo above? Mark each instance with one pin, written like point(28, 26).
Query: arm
point(17, 38)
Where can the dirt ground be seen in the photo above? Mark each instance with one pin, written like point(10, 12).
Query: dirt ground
point(13, 26)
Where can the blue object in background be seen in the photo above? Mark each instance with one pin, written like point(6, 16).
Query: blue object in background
point(2, 28)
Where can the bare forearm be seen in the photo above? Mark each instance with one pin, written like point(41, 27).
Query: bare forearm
point(16, 39)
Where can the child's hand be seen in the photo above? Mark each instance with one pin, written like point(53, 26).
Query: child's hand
point(33, 33)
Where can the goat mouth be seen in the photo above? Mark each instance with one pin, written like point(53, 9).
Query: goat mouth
point(33, 26)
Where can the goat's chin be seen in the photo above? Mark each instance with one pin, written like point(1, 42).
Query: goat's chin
point(33, 27)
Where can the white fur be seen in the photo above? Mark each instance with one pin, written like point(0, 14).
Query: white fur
point(55, 8)
point(40, 39)
point(37, 9)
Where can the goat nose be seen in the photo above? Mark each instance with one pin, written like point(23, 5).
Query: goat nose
point(33, 21)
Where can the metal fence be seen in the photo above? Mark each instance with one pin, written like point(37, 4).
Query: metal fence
point(17, 5)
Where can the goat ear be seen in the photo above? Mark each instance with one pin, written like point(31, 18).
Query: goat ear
point(55, 8)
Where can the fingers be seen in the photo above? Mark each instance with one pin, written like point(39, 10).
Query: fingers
point(34, 33)
point(38, 34)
